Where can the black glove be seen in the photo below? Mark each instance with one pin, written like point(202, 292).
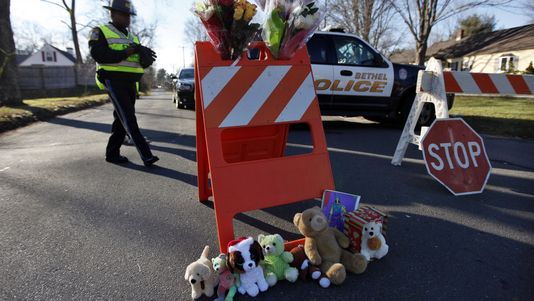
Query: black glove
point(136, 47)
point(147, 56)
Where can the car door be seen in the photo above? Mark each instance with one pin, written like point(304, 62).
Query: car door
point(363, 79)
point(321, 55)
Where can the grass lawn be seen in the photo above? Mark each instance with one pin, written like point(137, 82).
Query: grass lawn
point(44, 108)
point(500, 116)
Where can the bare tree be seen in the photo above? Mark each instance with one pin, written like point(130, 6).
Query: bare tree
point(29, 37)
point(422, 15)
point(194, 31)
point(370, 19)
point(9, 87)
point(71, 10)
point(145, 32)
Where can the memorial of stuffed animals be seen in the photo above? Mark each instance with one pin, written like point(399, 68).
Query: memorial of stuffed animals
point(339, 238)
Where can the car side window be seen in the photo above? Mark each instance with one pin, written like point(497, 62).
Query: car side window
point(318, 49)
point(350, 51)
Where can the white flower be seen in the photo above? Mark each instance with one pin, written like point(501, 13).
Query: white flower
point(299, 22)
point(309, 21)
point(305, 22)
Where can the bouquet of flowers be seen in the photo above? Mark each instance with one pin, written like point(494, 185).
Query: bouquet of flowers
point(289, 25)
point(228, 24)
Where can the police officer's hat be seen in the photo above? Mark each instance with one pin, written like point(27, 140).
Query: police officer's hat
point(124, 6)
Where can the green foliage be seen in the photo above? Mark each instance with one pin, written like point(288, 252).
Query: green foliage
point(475, 24)
point(511, 68)
point(530, 69)
point(499, 115)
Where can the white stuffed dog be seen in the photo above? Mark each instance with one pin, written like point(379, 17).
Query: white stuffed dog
point(201, 275)
point(244, 258)
point(373, 242)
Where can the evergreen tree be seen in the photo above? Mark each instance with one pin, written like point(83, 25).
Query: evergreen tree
point(475, 24)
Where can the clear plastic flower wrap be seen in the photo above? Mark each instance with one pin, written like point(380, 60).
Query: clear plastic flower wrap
point(289, 25)
point(228, 24)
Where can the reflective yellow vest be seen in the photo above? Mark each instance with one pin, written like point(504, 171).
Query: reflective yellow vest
point(119, 41)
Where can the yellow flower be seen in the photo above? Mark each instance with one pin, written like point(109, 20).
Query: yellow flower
point(249, 12)
point(238, 13)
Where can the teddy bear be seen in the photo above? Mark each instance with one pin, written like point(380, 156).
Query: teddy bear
point(324, 246)
point(227, 281)
point(276, 262)
point(373, 242)
point(306, 269)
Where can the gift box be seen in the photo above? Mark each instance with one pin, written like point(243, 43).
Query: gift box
point(355, 220)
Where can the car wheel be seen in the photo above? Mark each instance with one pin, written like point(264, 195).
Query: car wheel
point(427, 116)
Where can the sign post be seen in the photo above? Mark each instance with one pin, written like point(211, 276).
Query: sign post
point(455, 156)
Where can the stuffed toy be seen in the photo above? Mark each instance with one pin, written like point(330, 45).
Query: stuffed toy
point(276, 262)
point(201, 276)
point(324, 246)
point(244, 256)
point(227, 281)
point(373, 242)
point(306, 269)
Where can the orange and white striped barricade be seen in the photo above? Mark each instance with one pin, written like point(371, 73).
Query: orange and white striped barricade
point(432, 86)
point(244, 109)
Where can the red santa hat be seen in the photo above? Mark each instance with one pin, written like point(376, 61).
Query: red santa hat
point(233, 245)
point(235, 242)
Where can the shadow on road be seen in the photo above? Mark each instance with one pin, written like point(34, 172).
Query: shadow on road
point(154, 135)
point(360, 163)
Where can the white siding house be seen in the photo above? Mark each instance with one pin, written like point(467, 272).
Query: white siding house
point(499, 51)
point(49, 55)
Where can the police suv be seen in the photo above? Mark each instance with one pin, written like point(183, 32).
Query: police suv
point(353, 79)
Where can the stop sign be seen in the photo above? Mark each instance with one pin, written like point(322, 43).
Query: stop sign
point(455, 156)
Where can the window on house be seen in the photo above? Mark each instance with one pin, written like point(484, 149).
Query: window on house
point(507, 63)
point(49, 56)
point(465, 66)
point(454, 66)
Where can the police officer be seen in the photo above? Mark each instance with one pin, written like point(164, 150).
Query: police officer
point(120, 62)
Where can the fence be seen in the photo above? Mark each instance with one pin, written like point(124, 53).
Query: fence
point(41, 81)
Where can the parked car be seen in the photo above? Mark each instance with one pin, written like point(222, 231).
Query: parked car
point(184, 89)
point(354, 79)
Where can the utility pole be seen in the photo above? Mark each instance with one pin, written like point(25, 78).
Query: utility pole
point(183, 56)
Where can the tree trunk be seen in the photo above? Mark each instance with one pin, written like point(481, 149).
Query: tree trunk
point(74, 31)
point(9, 87)
point(420, 53)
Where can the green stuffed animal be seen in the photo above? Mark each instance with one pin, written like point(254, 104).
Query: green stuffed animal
point(276, 263)
point(227, 280)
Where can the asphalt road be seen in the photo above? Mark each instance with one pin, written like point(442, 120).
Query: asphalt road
point(74, 227)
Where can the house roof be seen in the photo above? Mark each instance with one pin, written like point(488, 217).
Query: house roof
point(511, 39)
point(405, 57)
point(408, 56)
point(21, 58)
point(65, 53)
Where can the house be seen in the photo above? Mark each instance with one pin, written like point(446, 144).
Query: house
point(499, 51)
point(48, 55)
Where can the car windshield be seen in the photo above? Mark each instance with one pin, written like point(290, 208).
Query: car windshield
point(186, 74)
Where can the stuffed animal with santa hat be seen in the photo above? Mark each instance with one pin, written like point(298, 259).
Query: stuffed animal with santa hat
point(244, 256)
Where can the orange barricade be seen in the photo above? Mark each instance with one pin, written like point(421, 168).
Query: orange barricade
point(243, 111)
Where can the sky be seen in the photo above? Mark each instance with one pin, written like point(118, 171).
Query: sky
point(170, 44)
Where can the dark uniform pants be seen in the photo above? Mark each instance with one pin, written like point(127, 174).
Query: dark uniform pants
point(123, 95)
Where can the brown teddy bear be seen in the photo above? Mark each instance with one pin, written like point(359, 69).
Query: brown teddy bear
point(325, 245)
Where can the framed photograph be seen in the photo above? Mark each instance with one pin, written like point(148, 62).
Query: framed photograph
point(335, 204)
